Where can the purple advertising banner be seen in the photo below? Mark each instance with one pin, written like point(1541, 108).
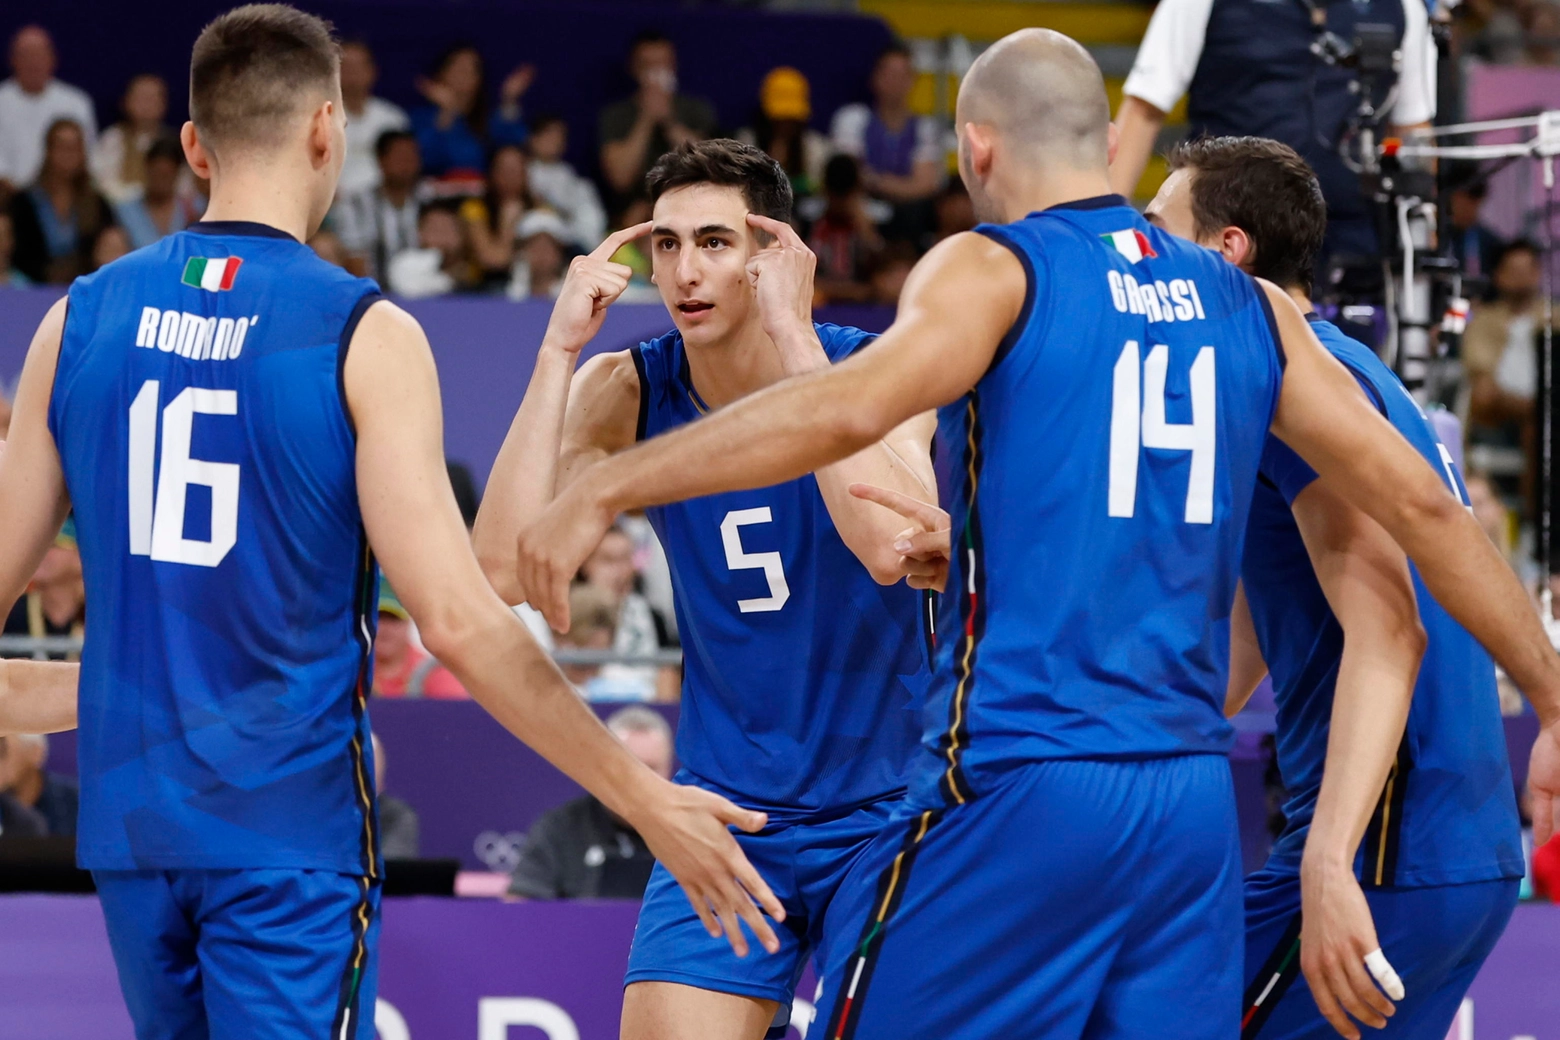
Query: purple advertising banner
point(477, 970)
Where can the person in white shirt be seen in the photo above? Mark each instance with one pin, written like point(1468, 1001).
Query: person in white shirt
point(379, 222)
point(31, 101)
point(119, 160)
point(1247, 68)
point(368, 118)
point(557, 185)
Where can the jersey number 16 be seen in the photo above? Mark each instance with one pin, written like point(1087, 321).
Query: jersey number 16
point(157, 514)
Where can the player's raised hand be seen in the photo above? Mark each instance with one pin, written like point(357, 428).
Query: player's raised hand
point(687, 831)
point(592, 284)
point(1544, 784)
point(924, 549)
point(553, 547)
point(1337, 940)
point(782, 278)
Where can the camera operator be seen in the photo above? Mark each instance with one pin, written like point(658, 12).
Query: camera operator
point(1248, 67)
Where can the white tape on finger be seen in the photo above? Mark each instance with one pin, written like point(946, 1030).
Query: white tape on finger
point(1376, 963)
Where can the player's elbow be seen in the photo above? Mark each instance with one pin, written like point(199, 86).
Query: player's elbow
point(498, 567)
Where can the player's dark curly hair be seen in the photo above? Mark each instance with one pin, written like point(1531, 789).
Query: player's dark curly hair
point(729, 164)
point(1265, 189)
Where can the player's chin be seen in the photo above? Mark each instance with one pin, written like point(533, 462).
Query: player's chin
point(706, 325)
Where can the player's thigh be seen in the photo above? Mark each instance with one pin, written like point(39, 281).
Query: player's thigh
point(997, 918)
point(674, 1011)
point(1180, 969)
point(154, 946)
point(289, 954)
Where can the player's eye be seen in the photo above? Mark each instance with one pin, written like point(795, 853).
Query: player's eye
point(666, 244)
point(716, 243)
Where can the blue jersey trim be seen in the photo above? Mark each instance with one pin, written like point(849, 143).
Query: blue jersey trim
point(342, 345)
point(238, 227)
point(637, 352)
point(1272, 322)
point(1093, 202)
point(1021, 323)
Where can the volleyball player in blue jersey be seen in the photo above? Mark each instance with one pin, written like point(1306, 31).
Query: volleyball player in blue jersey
point(803, 657)
point(1065, 863)
point(1415, 804)
point(241, 430)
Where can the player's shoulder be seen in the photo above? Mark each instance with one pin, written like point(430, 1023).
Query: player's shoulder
point(841, 341)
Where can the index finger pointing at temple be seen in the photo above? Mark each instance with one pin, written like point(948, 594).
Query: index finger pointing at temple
point(618, 239)
point(925, 514)
point(778, 228)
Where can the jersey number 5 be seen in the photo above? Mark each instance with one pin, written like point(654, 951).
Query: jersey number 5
point(157, 515)
point(1131, 430)
point(768, 562)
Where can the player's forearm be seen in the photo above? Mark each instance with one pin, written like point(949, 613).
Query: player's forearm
point(525, 473)
point(1137, 124)
point(37, 696)
point(867, 529)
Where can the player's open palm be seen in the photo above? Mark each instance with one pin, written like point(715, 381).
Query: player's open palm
point(925, 548)
point(1337, 939)
point(688, 832)
point(593, 284)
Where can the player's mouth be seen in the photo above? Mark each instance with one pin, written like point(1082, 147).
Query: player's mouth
point(694, 308)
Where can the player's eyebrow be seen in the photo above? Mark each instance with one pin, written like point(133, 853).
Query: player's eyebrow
point(714, 229)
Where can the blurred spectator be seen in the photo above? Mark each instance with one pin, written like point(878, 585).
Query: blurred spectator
point(640, 628)
point(455, 130)
point(1491, 513)
point(636, 131)
point(1541, 33)
point(376, 224)
point(781, 130)
point(582, 850)
point(157, 210)
point(955, 211)
point(122, 152)
point(31, 102)
point(1497, 348)
point(901, 154)
point(440, 263)
point(538, 269)
point(327, 246)
point(592, 626)
point(111, 244)
point(1488, 30)
point(1474, 245)
point(556, 184)
point(402, 668)
point(57, 219)
point(844, 237)
point(887, 271)
point(53, 796)
point(493, 220)
point(399, 828)
point(18, 821)
point(10, 277)
point(655, 574)
point(368, 118)
point(55, 603)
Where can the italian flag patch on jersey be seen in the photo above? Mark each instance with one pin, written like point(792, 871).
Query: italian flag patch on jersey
point(213, 275)
point(1132, 244)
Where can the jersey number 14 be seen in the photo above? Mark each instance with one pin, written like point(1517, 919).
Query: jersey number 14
point(157, 513)
point(1137, 421)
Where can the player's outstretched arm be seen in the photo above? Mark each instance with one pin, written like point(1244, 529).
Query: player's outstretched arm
point(564, 424)
point(33, 500)
point(1366, 580)
point(37, 696)
point(1247, 666)
point(1325, 417)
point(958, 303)
point(782, 277)
point(415, 529)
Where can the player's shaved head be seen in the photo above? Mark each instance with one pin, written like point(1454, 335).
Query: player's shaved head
point(1043, 93)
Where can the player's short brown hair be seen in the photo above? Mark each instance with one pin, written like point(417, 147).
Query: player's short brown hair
point(726, 163)
point(254, 67)
point(1265, 189)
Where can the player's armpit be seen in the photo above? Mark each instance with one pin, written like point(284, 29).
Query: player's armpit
point(37, 696)
point(1324, 416)
point(33, 499)
point(1246, 664)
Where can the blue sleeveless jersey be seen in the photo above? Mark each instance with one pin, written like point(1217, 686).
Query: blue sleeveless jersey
point(1448, 813)
point(209, 457)
point(1102, 471)
point(801, 673)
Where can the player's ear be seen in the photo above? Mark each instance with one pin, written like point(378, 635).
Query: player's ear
point(320, 137)
point(1112, 139)
point(980, 139)
point(1237, 247)
point(195, 151)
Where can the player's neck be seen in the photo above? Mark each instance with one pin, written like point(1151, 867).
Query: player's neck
point(1302, 298)
point(735, 366)
point(1054, 188)
point(261, 194)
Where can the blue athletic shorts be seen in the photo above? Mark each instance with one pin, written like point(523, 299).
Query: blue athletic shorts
point(1075, 899)
point(803, 864)
point(259, 954)
point(1435, 937)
